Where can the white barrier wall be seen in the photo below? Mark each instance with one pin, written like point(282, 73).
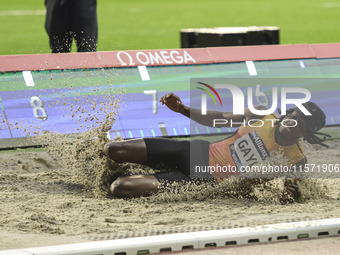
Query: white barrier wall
point(193, 240)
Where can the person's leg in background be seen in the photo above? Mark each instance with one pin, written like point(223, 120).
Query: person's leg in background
point(57, 25)
point(85, 24)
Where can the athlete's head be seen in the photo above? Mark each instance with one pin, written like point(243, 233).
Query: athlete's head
point(308, 125)
point(313, 122)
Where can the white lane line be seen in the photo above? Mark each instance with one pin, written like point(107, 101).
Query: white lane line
point(28, 78)
point(144, 73)
point(251, 68)
point(302, 64)
point(22, 13)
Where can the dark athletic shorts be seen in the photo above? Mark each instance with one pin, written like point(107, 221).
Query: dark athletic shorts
point(176, 158)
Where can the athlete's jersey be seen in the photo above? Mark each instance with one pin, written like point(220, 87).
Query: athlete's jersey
point(249, 146)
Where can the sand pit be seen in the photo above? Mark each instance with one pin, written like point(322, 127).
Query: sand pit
point(48, 197)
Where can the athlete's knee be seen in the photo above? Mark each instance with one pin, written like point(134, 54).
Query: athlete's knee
point(120, 189)
point(133, 151)
point(134, 186)
point(114, 150)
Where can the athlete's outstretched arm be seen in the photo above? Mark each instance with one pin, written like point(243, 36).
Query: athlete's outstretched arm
point(174, 103)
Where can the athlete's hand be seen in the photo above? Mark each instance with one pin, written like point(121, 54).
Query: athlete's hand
point(173, 102)
point(291, 193)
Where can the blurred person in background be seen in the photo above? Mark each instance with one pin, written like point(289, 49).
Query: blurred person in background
point(68, 19)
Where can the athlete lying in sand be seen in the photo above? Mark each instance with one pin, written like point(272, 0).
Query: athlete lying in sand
point(179, 156)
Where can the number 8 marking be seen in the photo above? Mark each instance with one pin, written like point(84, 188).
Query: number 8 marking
point(38, 107)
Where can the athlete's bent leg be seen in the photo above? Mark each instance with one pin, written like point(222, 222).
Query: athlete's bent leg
point(135, 186)
point(133, 151)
